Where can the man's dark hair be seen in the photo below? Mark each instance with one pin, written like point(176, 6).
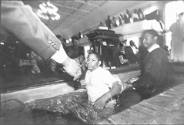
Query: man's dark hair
point(132, 43)
point(95, 53)
point(152, 32)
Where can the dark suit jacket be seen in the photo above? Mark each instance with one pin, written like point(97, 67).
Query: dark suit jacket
point(20, 20)
point(156, 73)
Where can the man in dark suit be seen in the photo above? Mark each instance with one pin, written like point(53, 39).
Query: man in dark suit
point(156, 71)
point(19, 20)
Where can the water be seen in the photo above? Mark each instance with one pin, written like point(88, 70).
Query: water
point(14, 112)
point(20, 115)
point(38, 118)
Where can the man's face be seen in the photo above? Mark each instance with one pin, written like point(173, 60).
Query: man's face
point(148, 40)
point(92, 62)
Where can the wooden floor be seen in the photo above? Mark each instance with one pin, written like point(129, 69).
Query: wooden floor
point(165, 108)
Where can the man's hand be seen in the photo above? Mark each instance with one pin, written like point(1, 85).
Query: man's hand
point(100, 103)
point(69, 65)
point(72, 68)
point(132, 80)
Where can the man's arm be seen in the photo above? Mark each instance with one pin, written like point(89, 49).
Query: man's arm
point(21, 21)
point(115, 90)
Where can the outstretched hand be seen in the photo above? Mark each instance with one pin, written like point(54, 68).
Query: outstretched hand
point(100, 103)
point(72, 68)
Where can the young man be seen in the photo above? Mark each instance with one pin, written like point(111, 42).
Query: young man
point(101, 85)
point(156, 72)
point(96, 104)
point(155, 75)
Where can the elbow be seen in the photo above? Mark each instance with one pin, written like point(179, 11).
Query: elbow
point(117, 88)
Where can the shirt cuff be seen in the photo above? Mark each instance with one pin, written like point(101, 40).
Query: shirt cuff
point(60, 56)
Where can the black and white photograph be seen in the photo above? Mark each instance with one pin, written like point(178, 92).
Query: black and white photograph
point(82, 62)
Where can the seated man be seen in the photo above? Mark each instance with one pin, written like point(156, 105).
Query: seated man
point(156, 72)
point(155, 75)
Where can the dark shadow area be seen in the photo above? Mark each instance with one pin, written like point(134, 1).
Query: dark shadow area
point(42, 116)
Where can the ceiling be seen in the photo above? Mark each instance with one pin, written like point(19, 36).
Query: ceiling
point(83, 15)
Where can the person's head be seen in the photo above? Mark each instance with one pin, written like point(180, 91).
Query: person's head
point(132, 43)
point(124, 42)
point(149, 37)
point(93, 60)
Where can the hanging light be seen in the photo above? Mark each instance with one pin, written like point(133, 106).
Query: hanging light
point(2, 43)
point(48, 11)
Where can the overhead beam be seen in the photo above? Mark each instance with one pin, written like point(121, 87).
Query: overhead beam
point(73, 8)
point(88, 2)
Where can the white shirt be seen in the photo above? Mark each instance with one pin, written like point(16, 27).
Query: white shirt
point(99, 82)
point(153, 47)
point(134, 49)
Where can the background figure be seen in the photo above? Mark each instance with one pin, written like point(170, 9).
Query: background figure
point(134, 47)
point(177, 42)
point(116, 53)
point(129, 53)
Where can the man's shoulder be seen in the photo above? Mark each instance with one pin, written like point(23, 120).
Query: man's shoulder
point(159, 54)
point(102, 71)
point(158, 51)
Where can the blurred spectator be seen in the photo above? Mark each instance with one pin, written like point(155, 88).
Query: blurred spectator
point(108, 22)
point(116, 54)
point(134, 47)
point(129, 53)
point(177, 41)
